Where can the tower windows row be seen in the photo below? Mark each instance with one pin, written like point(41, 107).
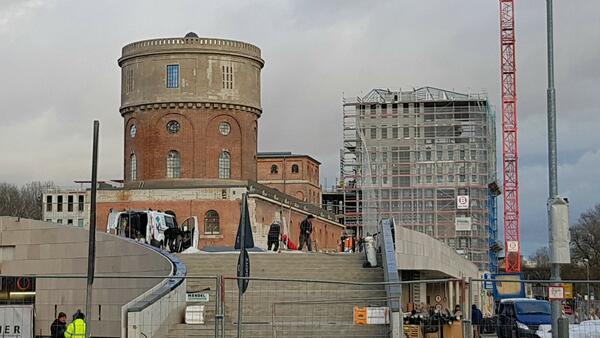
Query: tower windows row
point(275, 169)
point(174, 126)
point(174, 165)
point(173, 77)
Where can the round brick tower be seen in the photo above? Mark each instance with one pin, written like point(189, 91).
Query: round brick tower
point(190, 107)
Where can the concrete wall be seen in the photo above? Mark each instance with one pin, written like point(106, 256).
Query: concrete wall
point(200, 63)
point(155, 320)
point(417, 251)
point(42, 248)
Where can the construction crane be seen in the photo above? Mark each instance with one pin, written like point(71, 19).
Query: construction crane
point(510, 153)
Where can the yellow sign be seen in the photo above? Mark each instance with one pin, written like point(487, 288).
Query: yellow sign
point(568, 288)
point(508, 288)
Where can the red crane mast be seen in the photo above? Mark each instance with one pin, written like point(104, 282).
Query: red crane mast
point(510, 153)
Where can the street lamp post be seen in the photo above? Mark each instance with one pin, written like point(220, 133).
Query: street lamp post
point(589, 295)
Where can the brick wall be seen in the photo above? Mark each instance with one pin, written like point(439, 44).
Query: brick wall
point(197, 202)
point(304, 185)
point(325, 235)
point(198, 142)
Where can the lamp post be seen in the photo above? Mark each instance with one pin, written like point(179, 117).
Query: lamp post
point(589, 295)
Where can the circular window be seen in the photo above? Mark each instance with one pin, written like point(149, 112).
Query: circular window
point(132, 131)
point(173, 127)
point(224, 128)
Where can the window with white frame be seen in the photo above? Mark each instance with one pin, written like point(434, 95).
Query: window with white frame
point(212, 223)
point(227, 76)
point(133, 169)
point(224, 165)
point(173, 164)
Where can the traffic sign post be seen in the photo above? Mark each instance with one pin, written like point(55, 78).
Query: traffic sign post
point(556, 293)
point(487, 284)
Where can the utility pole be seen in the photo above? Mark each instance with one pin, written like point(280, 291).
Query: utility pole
point(92, 233)
point(558, 208)
point(589, 295)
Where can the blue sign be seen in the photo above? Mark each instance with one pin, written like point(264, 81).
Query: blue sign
point(488, 285)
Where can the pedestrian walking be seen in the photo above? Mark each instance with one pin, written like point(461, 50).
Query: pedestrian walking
point(77, 328)
point(273, 236)
point(58, 326)
point(306, 229)
point(476, 320)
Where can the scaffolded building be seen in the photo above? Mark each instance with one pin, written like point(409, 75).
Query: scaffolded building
point(424, 157)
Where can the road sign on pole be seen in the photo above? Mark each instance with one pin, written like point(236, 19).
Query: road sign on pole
point(556, 292)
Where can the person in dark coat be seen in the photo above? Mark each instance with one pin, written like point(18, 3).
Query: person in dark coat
point(273, 236)
point(476, 320)
point(306, 230)
point(58, 327)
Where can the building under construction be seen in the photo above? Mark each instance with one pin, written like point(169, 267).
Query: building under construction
point(424, 157)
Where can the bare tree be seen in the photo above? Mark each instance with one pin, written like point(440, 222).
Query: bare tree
point(585, 236)
point(25, 201)
point(540, 258)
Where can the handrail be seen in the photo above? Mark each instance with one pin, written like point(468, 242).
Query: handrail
point(390, 268)
point(177, 277)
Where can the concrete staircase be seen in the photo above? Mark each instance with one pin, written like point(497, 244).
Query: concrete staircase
point(275, 308)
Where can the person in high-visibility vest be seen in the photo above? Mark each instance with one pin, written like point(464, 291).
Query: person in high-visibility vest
point(77, 327)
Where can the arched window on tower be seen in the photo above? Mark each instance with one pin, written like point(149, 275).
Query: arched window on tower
point(274, 169)
point(224, 165)
point(173, 164)
point(211, 223)
point(133, 167)
point(295, 169)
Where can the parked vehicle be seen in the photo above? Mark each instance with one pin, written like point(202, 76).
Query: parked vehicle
point(155, 228)
point(183, 236)
point(521, 317)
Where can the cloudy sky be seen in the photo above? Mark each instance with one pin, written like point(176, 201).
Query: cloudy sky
point(60, 72)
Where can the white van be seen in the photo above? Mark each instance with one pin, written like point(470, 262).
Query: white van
point(156, 228)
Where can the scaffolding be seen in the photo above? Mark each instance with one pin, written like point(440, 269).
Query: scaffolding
point(411, 155)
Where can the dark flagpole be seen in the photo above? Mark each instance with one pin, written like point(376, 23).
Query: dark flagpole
point(92, 235)
point(241, 263)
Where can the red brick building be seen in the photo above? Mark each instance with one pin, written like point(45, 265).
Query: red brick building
point(190, 108)
point(293, 174)
point(216, 204)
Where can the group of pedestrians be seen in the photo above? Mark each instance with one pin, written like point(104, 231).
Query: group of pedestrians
point(274, 236)
point(77, 327)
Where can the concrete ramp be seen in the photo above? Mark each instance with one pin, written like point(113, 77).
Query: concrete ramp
point(56, 257)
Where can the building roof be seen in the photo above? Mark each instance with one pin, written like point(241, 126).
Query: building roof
point(422, 94)
point(283, 154)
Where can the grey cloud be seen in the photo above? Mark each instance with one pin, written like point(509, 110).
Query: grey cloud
point(61, 72)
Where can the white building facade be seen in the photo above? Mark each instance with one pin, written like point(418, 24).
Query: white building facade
point(67, 206)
